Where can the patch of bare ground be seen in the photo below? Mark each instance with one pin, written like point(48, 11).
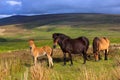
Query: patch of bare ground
point(118, 30)
point(115, 46)
point(12, 30)
point(2, 31)
point(23, 54)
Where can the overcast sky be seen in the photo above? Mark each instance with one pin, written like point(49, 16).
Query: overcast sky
point(30, 7)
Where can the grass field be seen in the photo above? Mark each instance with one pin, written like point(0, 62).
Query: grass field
point(43, 35)
point(18, 65)
point(16, 62)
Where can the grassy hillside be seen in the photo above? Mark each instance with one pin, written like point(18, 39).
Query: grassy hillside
point(18, 29)
point(66, 19)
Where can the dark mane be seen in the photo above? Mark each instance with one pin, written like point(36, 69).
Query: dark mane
point(60, 35)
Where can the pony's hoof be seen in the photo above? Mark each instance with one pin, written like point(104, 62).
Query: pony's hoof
point(52, 67)
point(106, 59)
point(96, 60)
point(83, 63)
point(71, 64)
point(64, 64)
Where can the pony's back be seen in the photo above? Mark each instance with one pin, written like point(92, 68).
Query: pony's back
point(100, 44)
point(85, 41)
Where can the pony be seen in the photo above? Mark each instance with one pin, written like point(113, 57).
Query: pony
point(37, 52)
point(71, 46)
point(100, 44)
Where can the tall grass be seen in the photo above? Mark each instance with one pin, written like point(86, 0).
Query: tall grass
point(92, 74)
point(103, 72)
point(11, 69)
point(15, 69)
point(39, 72)
point(116, 69)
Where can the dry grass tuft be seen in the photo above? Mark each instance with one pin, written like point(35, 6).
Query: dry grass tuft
point(116, 70)
point(91, 74)
point(4, 70)
point(38, 72)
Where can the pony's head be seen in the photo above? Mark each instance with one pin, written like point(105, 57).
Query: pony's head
point(55, 37)
point(58, 38)
point(31, 43)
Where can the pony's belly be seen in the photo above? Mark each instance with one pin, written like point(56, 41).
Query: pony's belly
point(76, 52)
point(42, 54)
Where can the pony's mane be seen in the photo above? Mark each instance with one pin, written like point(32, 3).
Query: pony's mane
point(60, 35)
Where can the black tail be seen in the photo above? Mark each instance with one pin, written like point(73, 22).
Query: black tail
point(86, 42)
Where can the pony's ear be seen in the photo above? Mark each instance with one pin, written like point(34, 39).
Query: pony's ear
point(55, 35)
point(31, 39)
point(58, 34)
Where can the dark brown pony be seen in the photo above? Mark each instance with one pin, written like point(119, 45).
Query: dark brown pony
point(71, 46)
point(100, 44)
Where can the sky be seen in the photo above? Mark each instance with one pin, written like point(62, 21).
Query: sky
point(36, 7)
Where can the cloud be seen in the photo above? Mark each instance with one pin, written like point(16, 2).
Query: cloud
point(2, 16)
point(70, 6)
point(59, 6)
point(14, 3)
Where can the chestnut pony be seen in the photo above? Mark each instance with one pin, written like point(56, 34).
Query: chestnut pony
point(100, 44)
point(37, 52)
point(71, 46)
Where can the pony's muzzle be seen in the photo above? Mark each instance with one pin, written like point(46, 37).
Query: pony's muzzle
point(30, 47)
point(54, 46)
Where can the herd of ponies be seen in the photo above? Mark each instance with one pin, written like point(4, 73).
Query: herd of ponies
point(68, 45)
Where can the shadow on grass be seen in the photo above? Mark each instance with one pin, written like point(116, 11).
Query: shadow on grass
point(58, 60)
point(27, 64)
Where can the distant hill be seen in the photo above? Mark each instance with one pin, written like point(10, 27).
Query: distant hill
point(19, 27)
point(63, 19)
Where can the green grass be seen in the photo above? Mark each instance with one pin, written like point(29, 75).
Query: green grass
point(43, 35)
point(46, 32)
point(21, 45)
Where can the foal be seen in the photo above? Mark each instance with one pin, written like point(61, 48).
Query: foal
point(37, 52)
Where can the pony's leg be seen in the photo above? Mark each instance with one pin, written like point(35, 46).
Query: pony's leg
point(106, 54)
point(50, 60)
point(84, 57)
point(99, 56)
point(35, 60)
point(96, 56)
point(71, 58)
point(64, 58)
